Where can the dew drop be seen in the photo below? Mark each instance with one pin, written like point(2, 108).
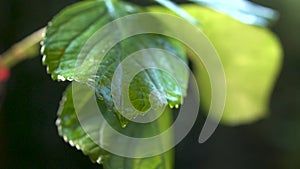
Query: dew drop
point(65, 138)
point(99, 160)
point(69, 78)
point(71, 143)
point(123, 121)
point(58, 121)
point(44, 59)
point(60, 77)
point(123, 125)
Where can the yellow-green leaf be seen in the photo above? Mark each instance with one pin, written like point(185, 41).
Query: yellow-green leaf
point(251, 57)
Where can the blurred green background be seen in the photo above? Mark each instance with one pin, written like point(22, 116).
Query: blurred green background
point(29, 138)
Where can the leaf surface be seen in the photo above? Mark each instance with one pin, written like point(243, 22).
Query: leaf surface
point(68, 33)
point(63, 48)
point(71, 130)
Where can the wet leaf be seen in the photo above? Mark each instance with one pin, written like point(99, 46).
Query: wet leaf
point(71, 130)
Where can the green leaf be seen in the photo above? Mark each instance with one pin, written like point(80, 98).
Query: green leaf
point(68, 32)
point(73, 133)
point(63, 46)
point(251, 57)
point(148, 80)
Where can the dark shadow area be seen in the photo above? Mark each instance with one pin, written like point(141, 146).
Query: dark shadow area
point(28, 134)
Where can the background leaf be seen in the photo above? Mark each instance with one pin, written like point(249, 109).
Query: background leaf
point(251, 58)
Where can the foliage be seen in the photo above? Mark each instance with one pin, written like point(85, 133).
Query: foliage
point(65, 37)
point(71, 130)
point(250, 55)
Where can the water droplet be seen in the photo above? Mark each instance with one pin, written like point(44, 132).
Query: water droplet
point(99, 160)
point(123, 125)
point(123, 121)
point(58, 121)
point(44, 58)
point(60, 77)
point(71, 143)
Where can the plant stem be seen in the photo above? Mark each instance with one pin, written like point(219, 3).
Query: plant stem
point(178, 10)
point(25, 49)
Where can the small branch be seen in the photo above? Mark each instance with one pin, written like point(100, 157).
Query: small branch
point(178, 10)
point(25, 49)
